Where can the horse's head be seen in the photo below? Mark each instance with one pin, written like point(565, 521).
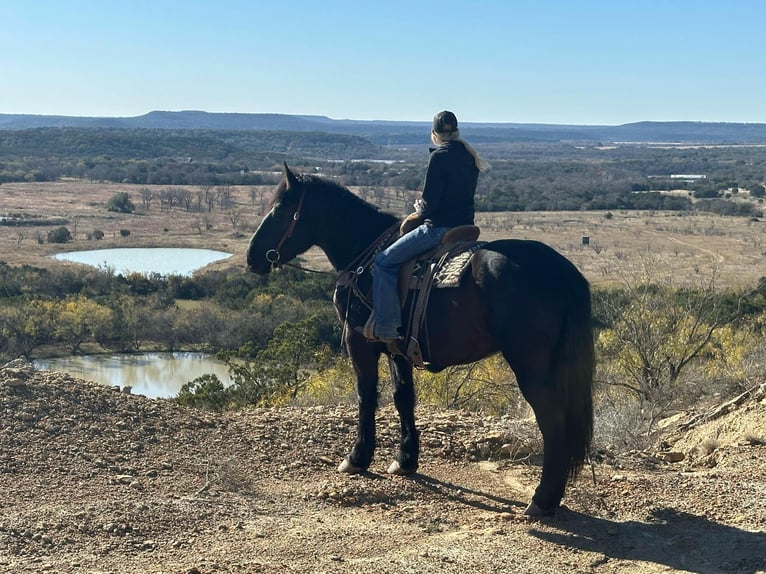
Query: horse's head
point(281, 235)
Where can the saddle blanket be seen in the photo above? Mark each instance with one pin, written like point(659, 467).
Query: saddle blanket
point(452, 266)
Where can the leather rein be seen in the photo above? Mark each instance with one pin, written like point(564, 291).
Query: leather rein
point(362, 261)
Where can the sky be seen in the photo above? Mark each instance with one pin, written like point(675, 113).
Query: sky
point(582, 62)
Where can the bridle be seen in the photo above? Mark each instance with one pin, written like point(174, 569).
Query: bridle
point(272, 255)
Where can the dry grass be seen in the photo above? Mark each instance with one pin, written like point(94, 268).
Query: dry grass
point(667, 244)
point(682, 248)
point(84, 206)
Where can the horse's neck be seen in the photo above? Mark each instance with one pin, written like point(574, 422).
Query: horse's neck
point(345, 234)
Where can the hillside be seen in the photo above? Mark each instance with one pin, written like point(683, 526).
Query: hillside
point(407, 132)
point(96, 480)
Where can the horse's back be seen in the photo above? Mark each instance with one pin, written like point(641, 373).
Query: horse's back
point(527, 264)
point(520, 292)
point(530, 291)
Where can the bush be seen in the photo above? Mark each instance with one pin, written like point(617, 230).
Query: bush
point(120, 202)
point(205, 392)
point(59, 235)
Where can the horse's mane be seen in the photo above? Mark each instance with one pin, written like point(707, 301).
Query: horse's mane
point(331, 190)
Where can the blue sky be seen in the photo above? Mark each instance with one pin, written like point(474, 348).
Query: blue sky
point(541, 61)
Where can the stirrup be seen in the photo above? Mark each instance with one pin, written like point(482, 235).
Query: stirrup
point(368, 331)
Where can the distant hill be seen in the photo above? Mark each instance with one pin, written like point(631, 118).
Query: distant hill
point(401, 132)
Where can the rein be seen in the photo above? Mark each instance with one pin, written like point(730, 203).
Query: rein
point(273, 256)
point(362, 261)
point(354, 269)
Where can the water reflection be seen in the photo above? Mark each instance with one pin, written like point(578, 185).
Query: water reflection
point(162, 260)
point(155, 375)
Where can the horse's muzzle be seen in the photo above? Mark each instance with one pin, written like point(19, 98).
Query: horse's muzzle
point(258, 265)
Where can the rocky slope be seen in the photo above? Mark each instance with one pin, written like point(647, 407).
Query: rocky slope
point(96, 480)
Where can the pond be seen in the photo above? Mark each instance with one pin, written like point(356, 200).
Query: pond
point(163, 260)
point(155, 375)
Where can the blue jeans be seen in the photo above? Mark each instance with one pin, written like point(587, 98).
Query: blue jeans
point(385, 293)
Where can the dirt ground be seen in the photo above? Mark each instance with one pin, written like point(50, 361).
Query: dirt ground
point(96, 480)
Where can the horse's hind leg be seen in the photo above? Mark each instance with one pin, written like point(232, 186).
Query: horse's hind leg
point(404, 398)
point(549, 412)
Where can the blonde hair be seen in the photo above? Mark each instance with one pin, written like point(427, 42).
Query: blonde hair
point(438, 138)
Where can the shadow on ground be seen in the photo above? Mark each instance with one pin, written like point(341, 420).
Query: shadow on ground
point(675, 539)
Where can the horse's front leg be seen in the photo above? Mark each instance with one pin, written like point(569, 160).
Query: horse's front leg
point(364, 358)
point(404, 398)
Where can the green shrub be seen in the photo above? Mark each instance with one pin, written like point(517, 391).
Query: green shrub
point(120, 202)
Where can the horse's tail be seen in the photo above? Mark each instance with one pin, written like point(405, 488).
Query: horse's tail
point(574, 367)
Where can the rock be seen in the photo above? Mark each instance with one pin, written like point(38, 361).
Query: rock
point(672, 456)
point(19, 365)
point(13, 383)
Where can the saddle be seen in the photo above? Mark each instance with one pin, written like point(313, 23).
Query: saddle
point(442, 267)
point(454, 236)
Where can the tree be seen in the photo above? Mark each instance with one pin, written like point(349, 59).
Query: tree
point(281, 370)
point(132, 322)
point(121, 203)
point(25, 327)
point(146, 197)
point(235, 216)
point(79, 319)
point(654, 333)
point(486, 386)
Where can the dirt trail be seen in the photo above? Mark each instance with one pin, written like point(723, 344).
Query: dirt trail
point(95, 480)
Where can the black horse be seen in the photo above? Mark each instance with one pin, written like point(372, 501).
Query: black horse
point(521, 298)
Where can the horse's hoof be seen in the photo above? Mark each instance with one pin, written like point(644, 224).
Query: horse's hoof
point(395, 468)
point(536, 512)
point(347, 467)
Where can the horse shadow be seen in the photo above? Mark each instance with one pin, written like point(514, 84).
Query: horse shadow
point(468, 496)
point(672, 538)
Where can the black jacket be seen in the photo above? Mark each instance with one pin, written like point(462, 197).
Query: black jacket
point(450, 186)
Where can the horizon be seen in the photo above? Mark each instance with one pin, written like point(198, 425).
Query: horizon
point(375, 120)
point(597, 62)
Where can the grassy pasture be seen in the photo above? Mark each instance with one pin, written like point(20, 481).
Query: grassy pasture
point(681, 247)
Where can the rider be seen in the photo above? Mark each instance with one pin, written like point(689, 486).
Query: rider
point(447, 201)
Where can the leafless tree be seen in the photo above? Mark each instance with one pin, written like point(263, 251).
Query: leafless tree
point(147, 195)
point(225, 197)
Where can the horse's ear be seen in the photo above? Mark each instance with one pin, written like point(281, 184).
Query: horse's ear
point(290, 178)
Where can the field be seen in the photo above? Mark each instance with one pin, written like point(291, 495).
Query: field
point(621, 244)
point(97, 480)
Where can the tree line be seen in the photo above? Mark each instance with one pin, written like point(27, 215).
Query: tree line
point(522, 177)
point(659, 348)
point(67, 310)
